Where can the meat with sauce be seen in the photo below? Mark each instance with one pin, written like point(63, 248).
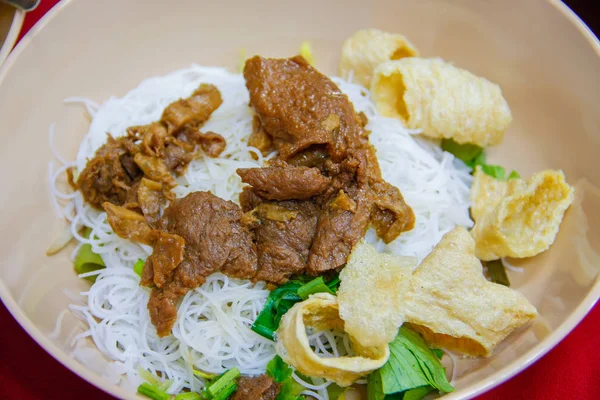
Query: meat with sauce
point(283, 234)
point(110, 175)
point(260, 387)
point(214, 240)
point(285, 182)
point(301, 213)
point(315, 125)
point(154, 151)
point(299, 107)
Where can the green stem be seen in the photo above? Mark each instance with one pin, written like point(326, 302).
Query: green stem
point(188, 396)
point(151, 392)
point(226, 392)
point(224, 381)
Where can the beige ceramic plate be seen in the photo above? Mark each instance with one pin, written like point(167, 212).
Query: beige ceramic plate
point(538, 51)
point(11, 20)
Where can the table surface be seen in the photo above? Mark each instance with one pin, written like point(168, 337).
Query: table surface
point(570, 371)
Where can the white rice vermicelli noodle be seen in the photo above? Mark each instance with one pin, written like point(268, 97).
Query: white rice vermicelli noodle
point(212, 332)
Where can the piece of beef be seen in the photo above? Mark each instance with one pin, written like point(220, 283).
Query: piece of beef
point(168, 252)
point(260, 139)
point(214, 240)
point(284, 182)
point(214, 236)
point(390, 214)
point(344, 216)
point(152, 151)
point(177, 159)
point(162, 306)
point(284, 232)
point(299, 107)
point(109, 175)
point(260, 387)
point(313, 156)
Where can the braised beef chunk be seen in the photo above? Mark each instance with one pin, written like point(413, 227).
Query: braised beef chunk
point(298, 106)
point(214, 237)
point(344, 216)
point(168, 252)
point(390, 214)
point(315, 125)
point(152, 151)
point(302, 212)
point(284, 236)
point(210, 230)
point(109, 175)
point(260, 139)
point(284, 182)
point(256, 388)
point(162, 306)
point(313, 156)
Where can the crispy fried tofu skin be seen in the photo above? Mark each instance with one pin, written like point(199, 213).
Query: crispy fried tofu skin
point(320, 312)
point(367, 48)
point(442, 100)
point(452, 304)
point(518, 218)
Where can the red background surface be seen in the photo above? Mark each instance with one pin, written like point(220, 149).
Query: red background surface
point(570, 371)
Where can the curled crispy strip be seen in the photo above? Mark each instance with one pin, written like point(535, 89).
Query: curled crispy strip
point(442, 100)
point(320, 312)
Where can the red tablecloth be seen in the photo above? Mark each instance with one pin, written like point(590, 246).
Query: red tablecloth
point(569, 371)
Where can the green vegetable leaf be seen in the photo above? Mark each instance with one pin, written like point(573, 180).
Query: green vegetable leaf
point(466, 152)
point(334, 284)
point(497, 272)
point(473, 156)
point(514, 175)
point(438, 353)
point(417, 393)
point(412, 365)
point(138, 267)
point(226, 391)
point(281, 373)
point(278, 369)
point(278, 303)
point(479, 160)
point(284, 297)
point(495, 171)
point(204, 375)
point(336, 391)
point(317, 285)
point(374, 388)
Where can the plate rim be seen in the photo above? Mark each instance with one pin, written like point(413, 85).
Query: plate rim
point(500, 376)
point(13, 35)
